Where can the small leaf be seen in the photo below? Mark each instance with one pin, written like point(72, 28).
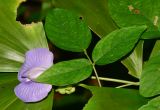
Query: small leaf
point(116, 45)
point(152, 105)
point(106, 98)
point(67, 31)
point(95, 14)
point(67, 72)
point(128, 13)
point(134, 62)
point(149, 81)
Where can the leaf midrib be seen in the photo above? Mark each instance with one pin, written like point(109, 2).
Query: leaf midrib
point(72, 70)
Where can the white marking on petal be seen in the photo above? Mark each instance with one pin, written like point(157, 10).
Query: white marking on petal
point(35, 72)
point(36, 62)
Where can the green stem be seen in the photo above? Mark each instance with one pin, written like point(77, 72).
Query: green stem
point(98, 80)
point(93, 66)
point(117, 80)
point(124, 85)
point(85, 52)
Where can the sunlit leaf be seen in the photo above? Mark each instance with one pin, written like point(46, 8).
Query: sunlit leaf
point(15, 38)
point(106, 98)
point(134, 62)
point(137, 12)
point(67, 31)
point(94, 12)
point(67, 72)
point(116, 45)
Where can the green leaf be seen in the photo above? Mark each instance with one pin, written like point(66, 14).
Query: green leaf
point(152, 104)
point(116, 44)
point(7, 77)
point(149, 81)
point(7, 94)
point(156, 49)
point(137, 12)
point(67, 72)
point(67, 31)
point(134, 62)
point(9, 101)
point(45, 104)
point(15, 38)
point(106, 98)
point(95, 13)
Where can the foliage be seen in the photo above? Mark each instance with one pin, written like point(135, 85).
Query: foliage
point(9, 100)
point(121, 41)
point(128, 13)
point(77, 70)
point(95, 14)
point(73, 28)
point(112, 96)
point(15, 40)
point(122, 26)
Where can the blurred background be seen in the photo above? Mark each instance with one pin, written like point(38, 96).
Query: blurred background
point(35, 11)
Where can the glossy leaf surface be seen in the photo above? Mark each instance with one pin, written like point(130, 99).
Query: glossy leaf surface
point(67, 31)
point(116, 45)
point(67, 72)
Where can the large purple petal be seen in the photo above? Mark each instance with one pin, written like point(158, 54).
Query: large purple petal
point(32, 91)
point(36, 61)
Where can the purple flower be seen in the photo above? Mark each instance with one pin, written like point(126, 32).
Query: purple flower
point(36, 62)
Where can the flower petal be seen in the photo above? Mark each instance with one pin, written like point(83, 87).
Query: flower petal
point(35, 58)
point(32, 91)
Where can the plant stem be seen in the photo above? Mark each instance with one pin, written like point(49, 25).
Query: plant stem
point(85, 52)
point(117, 80)
point(98, 80)
point(95, 71)
point(124, 85)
